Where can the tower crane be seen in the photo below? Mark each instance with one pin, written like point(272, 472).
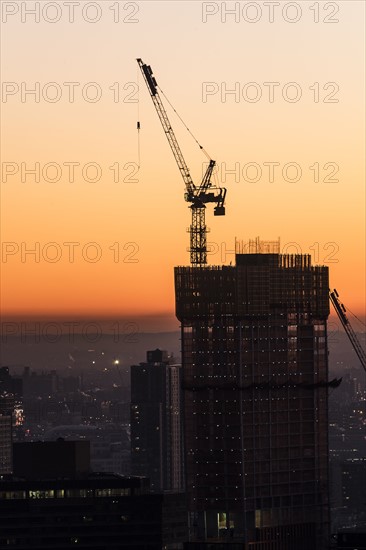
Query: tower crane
point(341, 312)
point(198, 196)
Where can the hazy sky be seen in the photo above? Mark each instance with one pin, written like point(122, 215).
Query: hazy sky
point(292, 129)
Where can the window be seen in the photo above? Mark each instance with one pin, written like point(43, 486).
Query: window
point(50, 493)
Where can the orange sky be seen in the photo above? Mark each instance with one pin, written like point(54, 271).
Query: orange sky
point(148, 218)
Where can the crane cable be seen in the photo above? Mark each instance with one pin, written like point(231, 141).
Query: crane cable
point(185, 125)
point(355, 316)
point(138, 118)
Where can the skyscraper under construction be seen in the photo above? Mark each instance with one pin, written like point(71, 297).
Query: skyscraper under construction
point(255, 379)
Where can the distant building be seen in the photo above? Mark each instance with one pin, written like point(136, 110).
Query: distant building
point(99, 511)
point(10, 384)
point(255, 376)
point(156, 422)
point(111, 456)
point(109, 445)
point(351, 539)
point(354, 486)
point(38, 384)
point(47, 459)
point(6, 433)
point(13, 385)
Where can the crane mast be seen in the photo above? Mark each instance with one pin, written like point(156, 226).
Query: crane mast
point(341, 312)
point(197, 196)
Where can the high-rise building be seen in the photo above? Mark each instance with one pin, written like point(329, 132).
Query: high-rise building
point(353, 471)
point(11, 384)
point(6, 433)
point(156, 422)
point(255, 375)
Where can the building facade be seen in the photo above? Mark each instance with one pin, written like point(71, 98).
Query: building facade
point(6, 433)
point(156, 422)
point(47, 459)
point(255, 374)
point(97, 511)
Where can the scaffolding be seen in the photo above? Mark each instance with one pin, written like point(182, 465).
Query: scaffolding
point(257, 246)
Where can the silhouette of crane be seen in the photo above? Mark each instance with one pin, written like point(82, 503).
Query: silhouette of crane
point(341, 312)
point(198, 196)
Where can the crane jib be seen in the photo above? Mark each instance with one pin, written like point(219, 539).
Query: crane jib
point(150, 79)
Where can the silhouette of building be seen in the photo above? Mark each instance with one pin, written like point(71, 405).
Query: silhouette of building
point(47, 459)
point(353, 472)
point(99, 511)
point(110, 448)
point(156, 422)
point(351, 539)
point(255, 376)
point(11, 384)
point(6, 433)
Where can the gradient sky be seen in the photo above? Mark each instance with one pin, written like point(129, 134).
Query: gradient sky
point(185, 53)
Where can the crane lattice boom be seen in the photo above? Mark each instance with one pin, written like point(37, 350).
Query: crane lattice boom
point(341, 312)
point(197, 196)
